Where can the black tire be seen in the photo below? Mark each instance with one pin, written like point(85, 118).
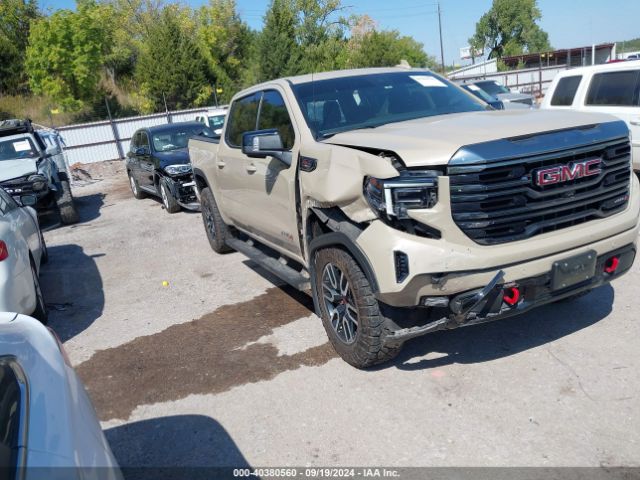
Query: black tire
point(40, 313)
point(135, 187)
point(365, 347)
point(213, 224)
point(171, 205)
point(66, 207)
point(44, 257)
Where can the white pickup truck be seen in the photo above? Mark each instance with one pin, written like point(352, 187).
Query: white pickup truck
point(406, 206)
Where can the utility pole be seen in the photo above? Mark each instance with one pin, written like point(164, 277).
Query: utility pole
point(440, 28)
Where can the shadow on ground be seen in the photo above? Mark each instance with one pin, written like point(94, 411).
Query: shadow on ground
point(502, 338)
point(180, 446)
point(88, 207)
point(72, 289)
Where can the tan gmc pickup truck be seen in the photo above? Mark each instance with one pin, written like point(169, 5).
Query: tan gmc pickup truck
point(406, 205)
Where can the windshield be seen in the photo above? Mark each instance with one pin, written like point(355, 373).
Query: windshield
point(177, 137)
point(368, 101)
point(216, 122)
point(493, 88)
point(478, 92)
point(17, 148)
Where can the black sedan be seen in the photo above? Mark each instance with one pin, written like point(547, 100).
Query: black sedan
point(158, 164)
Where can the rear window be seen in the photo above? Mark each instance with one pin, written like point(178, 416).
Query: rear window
point(242, 118)
point(614, 89)
point(566, 91)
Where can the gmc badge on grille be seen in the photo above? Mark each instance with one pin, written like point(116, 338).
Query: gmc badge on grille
point(565, 173)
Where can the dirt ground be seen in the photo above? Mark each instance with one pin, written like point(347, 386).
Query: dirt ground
point(198, 359)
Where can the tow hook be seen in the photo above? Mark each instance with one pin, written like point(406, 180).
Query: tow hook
point(463, 304)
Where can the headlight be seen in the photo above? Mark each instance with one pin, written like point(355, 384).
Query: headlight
point(177, 169)
point(38, 182)
point(394, 196)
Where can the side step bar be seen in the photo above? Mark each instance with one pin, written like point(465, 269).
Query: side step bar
point(290, 275)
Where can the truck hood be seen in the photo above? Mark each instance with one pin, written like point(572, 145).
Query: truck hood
point(434, 140)
point(10, 169)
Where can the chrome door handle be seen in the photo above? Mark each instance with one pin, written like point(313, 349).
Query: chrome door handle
point(635, 123)
point(251, 168)
point(220, 163)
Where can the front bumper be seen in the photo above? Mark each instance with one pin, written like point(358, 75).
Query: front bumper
point(21, 186)
point(455, 264)
point(489, 304)
point(183, 190)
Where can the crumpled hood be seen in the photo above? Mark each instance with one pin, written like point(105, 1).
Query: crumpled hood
point(10, 169)
point(434, 140)
point(174, 157)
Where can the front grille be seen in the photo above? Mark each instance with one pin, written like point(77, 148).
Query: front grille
point(497, 202)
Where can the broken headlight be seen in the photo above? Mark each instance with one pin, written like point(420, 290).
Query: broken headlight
point(393, 197)
point(177, 169)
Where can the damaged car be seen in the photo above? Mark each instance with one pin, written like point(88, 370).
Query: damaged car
point(158, 164)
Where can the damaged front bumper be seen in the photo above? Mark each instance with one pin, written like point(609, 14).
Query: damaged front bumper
point(183, 189)
point(499, 299)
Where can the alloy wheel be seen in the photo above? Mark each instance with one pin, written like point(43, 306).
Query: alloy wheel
point(134, 189)
point(339, 302)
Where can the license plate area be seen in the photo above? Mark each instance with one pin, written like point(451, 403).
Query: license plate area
point(573, 270)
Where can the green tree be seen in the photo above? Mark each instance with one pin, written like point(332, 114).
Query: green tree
point(170, 62)
point(510, 28)
point(386, 48)
point(278, 52)
point(16, 17)
point(320, 33)
point(66, 52)
point(225, 41)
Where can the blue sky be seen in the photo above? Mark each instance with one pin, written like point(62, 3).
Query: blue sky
point(570, 23)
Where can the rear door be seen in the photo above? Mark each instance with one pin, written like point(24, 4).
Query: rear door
point(230, 169)
point(145, 161)
point(618, 93)
point(271, 183)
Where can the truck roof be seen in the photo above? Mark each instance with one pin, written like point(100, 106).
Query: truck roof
point(14, 127)
point(299, 79)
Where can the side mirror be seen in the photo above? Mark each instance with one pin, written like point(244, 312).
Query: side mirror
point(264, 143)
point(28, 200)
point(141, 151)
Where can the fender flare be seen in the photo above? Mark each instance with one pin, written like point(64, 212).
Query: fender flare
point(339, 239)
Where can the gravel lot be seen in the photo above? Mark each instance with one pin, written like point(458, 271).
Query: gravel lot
point(225, 366)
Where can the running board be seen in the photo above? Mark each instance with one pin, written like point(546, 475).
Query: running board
point(290, 275)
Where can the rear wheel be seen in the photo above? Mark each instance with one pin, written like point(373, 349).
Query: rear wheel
point(135, 188)
point(213, 223)
point(66, 207)
point(350, 312)
point(40, 313)
point(170, 203)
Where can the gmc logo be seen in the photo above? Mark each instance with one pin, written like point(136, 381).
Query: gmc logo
point(565, 173)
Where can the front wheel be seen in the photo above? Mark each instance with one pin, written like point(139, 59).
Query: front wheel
point(66, 207)
point(171, 205)
point(350, 312)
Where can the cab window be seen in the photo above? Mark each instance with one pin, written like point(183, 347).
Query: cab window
point(144, 140)
point(618, 89)
point(566, 91)
point(274, 115)
point(242, 118)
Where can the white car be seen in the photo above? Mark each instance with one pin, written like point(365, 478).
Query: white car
point(612, 88)
point(48, 426)
point(214, 119)
point(22, 251)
